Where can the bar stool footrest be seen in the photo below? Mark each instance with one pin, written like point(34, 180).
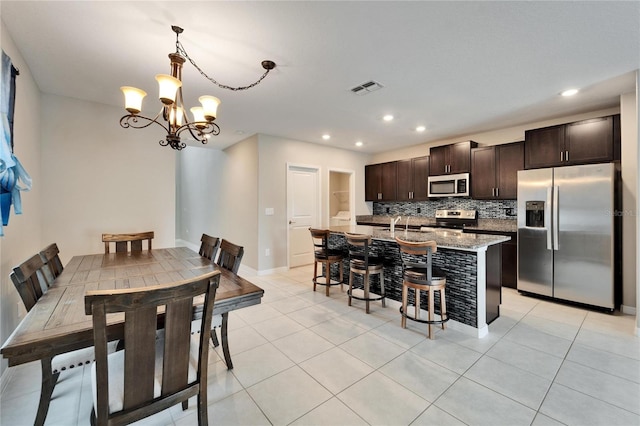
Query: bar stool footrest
point(332, 282)
point(440, 321)
point(370, 299)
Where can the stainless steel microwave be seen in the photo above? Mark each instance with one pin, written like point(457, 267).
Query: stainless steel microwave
point(449, 185)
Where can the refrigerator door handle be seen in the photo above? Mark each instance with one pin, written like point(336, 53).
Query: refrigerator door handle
point(547, 218)
point(556, 216)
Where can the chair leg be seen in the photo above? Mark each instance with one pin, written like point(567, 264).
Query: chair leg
point(48, 383)
point(203, 419)
point(315, 274)
point(417, 305)
point(382, 287)
point(366, 290)
point(405, 294)
point(443, 307)
point(327, 273)
point(431, 309)
point(350, 285)
point(341, 268)
point(214, 338)
point(225, 342)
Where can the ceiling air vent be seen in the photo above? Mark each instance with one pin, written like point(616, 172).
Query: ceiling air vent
point(368, 87)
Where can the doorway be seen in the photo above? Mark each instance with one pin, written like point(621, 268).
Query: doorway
point(303, 212)
point(341, 200)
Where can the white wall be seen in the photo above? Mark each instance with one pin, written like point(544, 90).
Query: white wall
point(99, 177)
point(23, 236)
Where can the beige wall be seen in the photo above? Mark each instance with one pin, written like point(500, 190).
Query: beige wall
point(629, 171)
point(89, 176)
point(23, 236)
point(495, 137)
point(100, 177)
point(629, 168)
point(275, 153)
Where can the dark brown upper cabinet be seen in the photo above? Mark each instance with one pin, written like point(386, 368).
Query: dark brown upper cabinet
point(412, 179)
point(380, 181)
point(450, 159)
point(494, 171)
point(581, 142)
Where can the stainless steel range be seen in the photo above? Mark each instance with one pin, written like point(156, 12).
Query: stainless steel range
point(453, 220)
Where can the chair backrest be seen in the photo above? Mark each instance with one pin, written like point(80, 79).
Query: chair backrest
point(141, 307)
point(124, 241)
point(209, 247)
point(30, 280)
point(417, 255)
point(230, 256)
point(359, 246)
point(50, 256)
point(320, 238)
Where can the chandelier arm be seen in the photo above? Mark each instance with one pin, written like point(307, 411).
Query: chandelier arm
point(131, 120)
point(180, 49)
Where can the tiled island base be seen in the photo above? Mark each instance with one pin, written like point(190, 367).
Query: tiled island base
point(473, 283)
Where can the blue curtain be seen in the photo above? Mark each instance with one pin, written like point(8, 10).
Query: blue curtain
point(11, 171)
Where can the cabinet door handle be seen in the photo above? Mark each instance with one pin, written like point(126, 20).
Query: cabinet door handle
point(379, 195)
point(566, 156)
point(497, 192)
point(561, 155)
point(411, 195)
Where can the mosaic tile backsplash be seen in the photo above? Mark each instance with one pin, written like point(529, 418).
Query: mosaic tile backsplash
point(487, 209)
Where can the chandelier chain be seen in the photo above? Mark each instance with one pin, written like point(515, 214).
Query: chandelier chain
point(180, 49)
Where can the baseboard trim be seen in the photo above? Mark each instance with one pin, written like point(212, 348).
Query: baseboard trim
point(628, 310)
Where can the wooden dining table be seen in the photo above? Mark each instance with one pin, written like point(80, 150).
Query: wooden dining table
point(58, 323)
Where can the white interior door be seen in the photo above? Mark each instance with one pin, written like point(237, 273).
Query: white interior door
point(303, 207)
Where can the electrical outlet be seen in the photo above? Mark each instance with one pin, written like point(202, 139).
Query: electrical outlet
point(419, 210)
point(267, 252)
point(388, 209)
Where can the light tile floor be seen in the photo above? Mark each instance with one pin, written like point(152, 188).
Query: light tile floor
point(303, 358)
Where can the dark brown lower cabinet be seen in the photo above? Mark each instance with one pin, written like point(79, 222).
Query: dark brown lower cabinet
point(508, 257)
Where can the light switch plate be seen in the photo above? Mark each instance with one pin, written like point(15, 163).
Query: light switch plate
point(269, 211)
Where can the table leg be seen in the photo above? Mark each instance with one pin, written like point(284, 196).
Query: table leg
point(48, 383)
point(225, 341)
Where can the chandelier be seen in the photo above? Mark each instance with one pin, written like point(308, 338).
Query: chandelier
point(172, 116)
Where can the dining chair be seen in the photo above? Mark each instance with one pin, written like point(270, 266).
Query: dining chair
point(209, 247)
point(30, 281)
point(50, 256)
point(156, 370)
point(230, 258)
point(127, 242)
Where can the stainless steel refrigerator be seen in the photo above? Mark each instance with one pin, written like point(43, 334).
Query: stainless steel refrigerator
point(566, 233)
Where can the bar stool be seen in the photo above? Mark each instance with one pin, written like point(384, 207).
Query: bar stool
point(418, 274)
point(326, 256)
point(361, 262)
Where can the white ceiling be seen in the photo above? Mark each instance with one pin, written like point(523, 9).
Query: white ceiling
point(455, 67)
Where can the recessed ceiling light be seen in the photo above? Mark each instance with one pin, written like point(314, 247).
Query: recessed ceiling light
point(326, 137)
point(388, 117)
point(420, 129)
point(569, 92)
point(359, 143)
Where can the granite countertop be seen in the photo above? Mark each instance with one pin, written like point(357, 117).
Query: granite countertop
point(445, 239)
point(490, 225)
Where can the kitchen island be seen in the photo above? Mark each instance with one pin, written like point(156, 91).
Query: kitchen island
point(471, 262)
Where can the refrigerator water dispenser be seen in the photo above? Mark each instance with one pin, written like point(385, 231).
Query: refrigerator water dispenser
point(534, 213)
